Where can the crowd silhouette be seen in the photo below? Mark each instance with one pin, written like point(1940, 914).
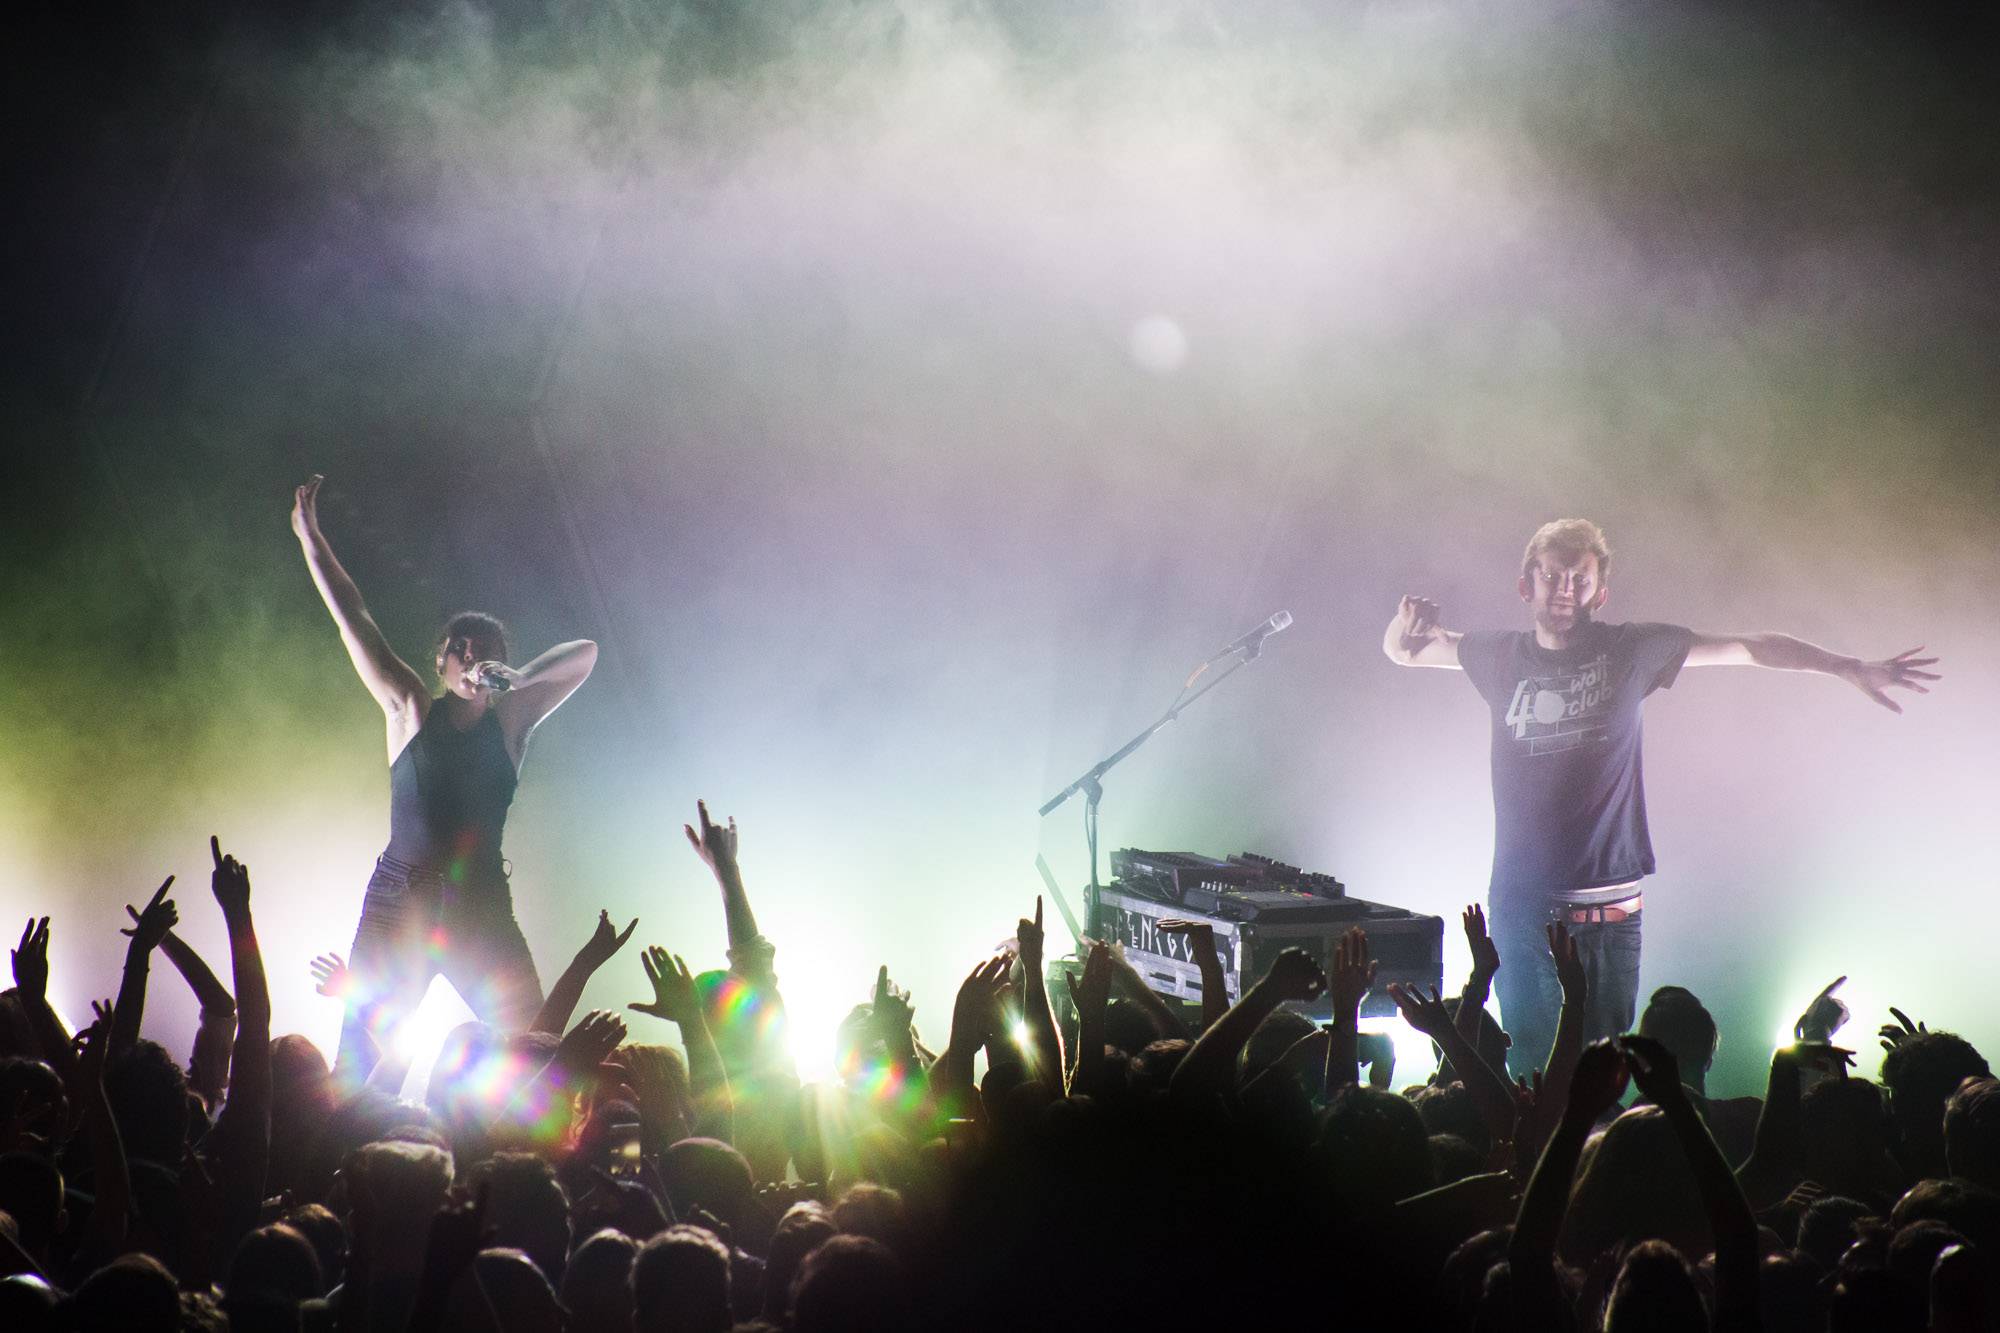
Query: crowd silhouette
point(1075, 1156)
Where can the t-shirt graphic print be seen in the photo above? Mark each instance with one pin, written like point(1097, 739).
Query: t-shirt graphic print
point(1561, 711)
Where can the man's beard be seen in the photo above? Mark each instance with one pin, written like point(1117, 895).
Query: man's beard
point(1578, 618)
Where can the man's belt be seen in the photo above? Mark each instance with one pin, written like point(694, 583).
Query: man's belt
point(1609, 913)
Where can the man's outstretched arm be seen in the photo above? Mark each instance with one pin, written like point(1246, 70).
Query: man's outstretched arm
point(1782, 652)
point(1414, 637)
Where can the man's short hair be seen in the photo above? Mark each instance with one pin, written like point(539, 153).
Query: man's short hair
point(1676, 1018)
point(1922, 1070)
point(680, 1279)
point(1570, 538)
point(1972, 1132)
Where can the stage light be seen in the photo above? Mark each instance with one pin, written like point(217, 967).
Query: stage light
point(420, 1036)
point(1416, 1058)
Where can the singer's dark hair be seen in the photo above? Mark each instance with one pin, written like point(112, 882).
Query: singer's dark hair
point(474, 625)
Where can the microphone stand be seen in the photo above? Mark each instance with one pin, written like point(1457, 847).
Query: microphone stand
point(1091, 784)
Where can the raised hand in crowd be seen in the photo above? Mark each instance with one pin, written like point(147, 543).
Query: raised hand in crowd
point(241, 1140)
point(1090, 993)
point(975, 1018)
point(330, 975)
point(1595, 1086)
point(111, 1209)
point(1490, 1091)
point(1348, 984)
point(675, 997)
point(1200, 936)
point(714, 843)
point(584, 1047)
point(229, 882)
point(1730, 1220)
point(604, 943)
point(677, 1000)
point(892, 1019)
point(31, 984)
point(750, 954)
point(1825, 1016)
point(148, 930)
point(1567, 1047)
point(1775, 1161)
point(30, 959)
point(1125, 978)
point(1485, 966)
point(215, 1033)
point(1896, 1033)
point(1207, 1069)
point(1045, 1058)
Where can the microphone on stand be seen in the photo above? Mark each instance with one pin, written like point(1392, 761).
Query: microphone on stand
point(1253, 643)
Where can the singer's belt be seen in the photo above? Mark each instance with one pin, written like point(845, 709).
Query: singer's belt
point(1622, 910)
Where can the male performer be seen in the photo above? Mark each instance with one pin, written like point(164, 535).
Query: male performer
point(1569, 803)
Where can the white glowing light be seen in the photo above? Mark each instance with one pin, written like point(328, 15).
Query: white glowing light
point(1416, 1058)
point(1158, 344)
point(420, 1036)
point(1021, 1035)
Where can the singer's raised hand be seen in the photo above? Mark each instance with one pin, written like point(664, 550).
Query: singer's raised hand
point(305, 507)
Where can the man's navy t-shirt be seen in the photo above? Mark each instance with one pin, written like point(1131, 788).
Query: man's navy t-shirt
point(1569, 797)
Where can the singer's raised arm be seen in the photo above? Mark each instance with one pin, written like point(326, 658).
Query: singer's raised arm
point(395, 685)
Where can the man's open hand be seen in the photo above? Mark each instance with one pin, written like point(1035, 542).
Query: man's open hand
point(1426, 1014)
point(975, 1013)
point(330, 975)
point(674, 995)
point(584, 1046)
point(1485, 954)
point(1904, 671)
point(1353, 973)
point(31, 959)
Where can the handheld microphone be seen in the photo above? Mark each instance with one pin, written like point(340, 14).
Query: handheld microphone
point(499, 684)
point(1253, 643)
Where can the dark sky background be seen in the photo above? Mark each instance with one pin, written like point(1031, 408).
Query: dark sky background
point(907, 395)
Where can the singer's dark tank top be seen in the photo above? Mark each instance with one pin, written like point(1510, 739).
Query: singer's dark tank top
point(448, 795)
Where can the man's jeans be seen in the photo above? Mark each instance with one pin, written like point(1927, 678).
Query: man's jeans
point(1531, 998)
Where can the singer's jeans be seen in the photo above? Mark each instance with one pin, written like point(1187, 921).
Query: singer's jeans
point(417, 923)
point(1530, 997)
